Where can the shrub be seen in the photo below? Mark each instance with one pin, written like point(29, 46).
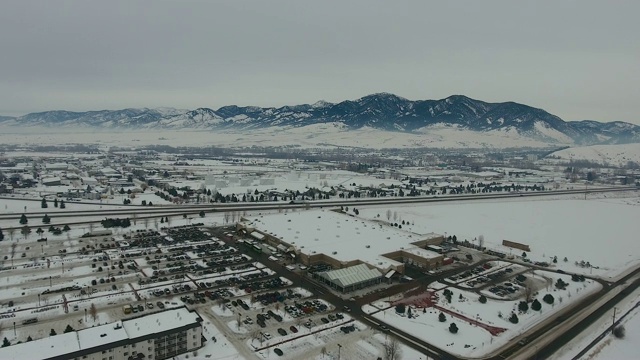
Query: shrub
point(453, 328)
point(548, 299)
point(619, 332)
point(523, 306)
point(482, 299)
point(535, 305)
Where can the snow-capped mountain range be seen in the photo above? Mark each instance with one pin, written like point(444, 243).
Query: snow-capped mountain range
point(381, 111)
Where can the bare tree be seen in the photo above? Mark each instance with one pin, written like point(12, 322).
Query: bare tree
point(25, 231)
point(11, 231)
point(389, 215)
point(146, 223)
point(93, 311)
point(481, 241)
point(226, 217)
point(395, 215)
point(392, 349)
point(324, 351)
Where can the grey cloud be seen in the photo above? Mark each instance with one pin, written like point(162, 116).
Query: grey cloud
point(576, 59)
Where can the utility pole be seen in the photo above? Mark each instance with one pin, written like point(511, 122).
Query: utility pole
point(613, 324)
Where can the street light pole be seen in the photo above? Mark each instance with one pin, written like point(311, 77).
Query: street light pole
point(339, 348)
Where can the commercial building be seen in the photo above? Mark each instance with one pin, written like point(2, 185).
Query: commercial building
point(342, 240)
point(155, 336)
point(351, 278)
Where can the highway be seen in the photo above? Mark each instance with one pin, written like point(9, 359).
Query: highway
point(142, 212)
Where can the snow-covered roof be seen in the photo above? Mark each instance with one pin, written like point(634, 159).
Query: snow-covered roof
point(339, 236)
point(50, 180)
point(423, 253)
point(86, 339)
point(351, 275)
point(100, 335)
point(48, 347)
point(159, 322)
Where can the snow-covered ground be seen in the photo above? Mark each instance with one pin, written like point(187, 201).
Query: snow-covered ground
point(312, 136)
point(600, 230)
point(617, 155)
point(610, 347)
point(483, 328)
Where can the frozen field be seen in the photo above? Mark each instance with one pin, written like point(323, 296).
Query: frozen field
point(601, 231)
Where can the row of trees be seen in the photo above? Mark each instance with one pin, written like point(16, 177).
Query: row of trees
point(44, 204)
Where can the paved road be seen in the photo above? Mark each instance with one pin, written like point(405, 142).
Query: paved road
point(148, 212)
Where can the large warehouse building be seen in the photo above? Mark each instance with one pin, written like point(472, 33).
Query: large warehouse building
point(342, 241)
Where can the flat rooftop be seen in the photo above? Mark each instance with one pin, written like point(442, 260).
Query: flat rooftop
point(89, 338)
point(340, 236)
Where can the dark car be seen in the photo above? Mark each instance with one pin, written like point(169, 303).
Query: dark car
point(293, 329)
point(278, 352)
point(282, 331)
point(324, 320)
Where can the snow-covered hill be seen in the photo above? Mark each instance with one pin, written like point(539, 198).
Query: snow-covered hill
point(610, 154)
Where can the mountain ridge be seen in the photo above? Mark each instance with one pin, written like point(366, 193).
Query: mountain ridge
point(383, 111)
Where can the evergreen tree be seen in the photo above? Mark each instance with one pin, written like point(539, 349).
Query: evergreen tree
point(523, 306)
point(55, 202)
point(68, 329)
point(29, 338)
point(514, 318)
point(442, 317)
point(453, 328)
point(201, 213)
point(482, 299)
point(46, 219)
point(23, 219)
point(66, 228)
point(62, 205)
point(1, 235)
point(5, 342)
point(535, 305)
point(43, 204)
point(53, 333)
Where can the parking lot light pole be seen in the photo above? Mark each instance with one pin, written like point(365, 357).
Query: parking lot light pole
point(339, 347)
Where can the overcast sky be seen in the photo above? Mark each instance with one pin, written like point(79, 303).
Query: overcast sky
point(576, 59)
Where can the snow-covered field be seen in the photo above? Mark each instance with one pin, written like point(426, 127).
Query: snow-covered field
point(617, 155)
point(312, 136)
point(483, 328)
point(599, 230)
